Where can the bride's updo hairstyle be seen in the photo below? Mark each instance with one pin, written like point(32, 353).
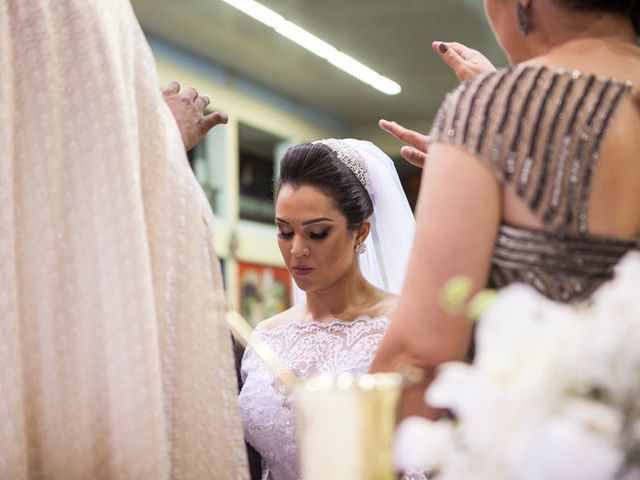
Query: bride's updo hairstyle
point(318, 166)
point(629, 8)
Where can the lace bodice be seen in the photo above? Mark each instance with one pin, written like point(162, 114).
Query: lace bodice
point(309, 348)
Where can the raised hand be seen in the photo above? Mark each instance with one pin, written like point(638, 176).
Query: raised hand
point(416, 144)
point(188, 110)
point(465, 62)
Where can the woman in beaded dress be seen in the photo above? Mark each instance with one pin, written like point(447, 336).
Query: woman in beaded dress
point(344, 230)
point(540, 160)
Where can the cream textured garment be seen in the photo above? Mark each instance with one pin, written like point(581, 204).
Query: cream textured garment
point(114, 359)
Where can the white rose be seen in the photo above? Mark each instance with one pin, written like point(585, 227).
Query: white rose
point(421, 444)
point(501, 330)
point(450, 385)
point(521, 333)
point(618, 298)
point(562, 448)
point(596, 417)
point(628, 269)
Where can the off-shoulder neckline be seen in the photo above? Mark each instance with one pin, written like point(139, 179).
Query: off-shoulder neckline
point(323, 324)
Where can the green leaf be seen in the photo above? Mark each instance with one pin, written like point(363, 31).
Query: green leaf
point(480, 303)
point(455, 294)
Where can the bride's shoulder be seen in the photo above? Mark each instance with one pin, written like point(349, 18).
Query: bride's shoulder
point(293, 314)
point(386, 301)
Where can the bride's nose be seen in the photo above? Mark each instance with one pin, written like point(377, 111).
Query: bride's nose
point(298, 247)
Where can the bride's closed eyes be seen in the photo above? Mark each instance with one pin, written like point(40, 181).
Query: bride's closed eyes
point(285, 235)
point(319, 235)
point(313, 235)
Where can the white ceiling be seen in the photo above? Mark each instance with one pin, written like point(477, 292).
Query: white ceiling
point(391, 36)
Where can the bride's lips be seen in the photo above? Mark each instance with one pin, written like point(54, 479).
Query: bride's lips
point(301, 271)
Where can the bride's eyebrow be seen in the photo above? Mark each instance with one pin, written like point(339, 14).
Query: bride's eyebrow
point(308, 222)
point(316, 220)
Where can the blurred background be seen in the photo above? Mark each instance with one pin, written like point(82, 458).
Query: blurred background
point(285, 72)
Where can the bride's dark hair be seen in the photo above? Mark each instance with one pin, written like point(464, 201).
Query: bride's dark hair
point(318, 166)
point(629, 8)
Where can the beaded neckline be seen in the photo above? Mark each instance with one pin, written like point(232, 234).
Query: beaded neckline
point(325, 324)
point(576, 74)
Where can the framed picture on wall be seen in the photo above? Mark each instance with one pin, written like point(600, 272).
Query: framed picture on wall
point(264, 291)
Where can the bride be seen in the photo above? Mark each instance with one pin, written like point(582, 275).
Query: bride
point(344, 231)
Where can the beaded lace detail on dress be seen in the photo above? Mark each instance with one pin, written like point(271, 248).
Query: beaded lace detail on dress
point(311, 348)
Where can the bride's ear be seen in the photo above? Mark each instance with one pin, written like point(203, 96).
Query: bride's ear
point(363, 231)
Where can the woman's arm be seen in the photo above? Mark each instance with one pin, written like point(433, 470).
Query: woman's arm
point(457, 217)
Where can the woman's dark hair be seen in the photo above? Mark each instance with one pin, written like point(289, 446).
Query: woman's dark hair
point(316, 165)
point(629, 8)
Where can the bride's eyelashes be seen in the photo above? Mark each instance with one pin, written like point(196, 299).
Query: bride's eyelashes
point(285, 235)
point(319, 235)
point(312, 235)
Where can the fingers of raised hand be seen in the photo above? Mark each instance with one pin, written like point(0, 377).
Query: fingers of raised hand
point(461, 49)
point(413, 156)
point(410, 137)
point(171, 89)
point(202, 101)
point(476, 60)
point(388, 126)
point(211, 120)
point(465, 62)
point(395, 129)
point(190, 93)
point(449, 54)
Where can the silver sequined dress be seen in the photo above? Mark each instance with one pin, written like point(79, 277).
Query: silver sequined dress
point(541, 130)
point(307, 348)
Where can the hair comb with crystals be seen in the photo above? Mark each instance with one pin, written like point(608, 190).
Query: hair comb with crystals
point(352, 159)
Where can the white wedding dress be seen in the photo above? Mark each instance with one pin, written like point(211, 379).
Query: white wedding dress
point(307, 348)
point(311, 348)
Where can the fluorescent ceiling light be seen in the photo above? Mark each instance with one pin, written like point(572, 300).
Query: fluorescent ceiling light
point(315, 45)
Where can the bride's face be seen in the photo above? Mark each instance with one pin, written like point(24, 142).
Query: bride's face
point(314, 239)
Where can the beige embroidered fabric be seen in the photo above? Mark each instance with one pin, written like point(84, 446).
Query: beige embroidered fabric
point(115, 362)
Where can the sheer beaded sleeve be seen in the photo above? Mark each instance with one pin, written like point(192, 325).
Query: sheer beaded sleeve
point(539, 130)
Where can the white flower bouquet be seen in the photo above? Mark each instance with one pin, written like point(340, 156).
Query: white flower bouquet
point(553, 393)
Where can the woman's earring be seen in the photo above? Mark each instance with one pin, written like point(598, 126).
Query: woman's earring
point(523, 19)
point(360, 248)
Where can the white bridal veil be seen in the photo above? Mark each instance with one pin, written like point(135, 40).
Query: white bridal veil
point(392, 224)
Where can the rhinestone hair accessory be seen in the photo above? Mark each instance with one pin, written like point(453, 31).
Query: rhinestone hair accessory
point(352, 159)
